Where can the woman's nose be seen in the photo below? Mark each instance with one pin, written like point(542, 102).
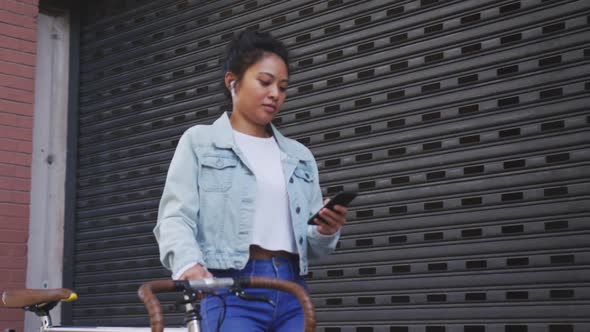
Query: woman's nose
point(274, 92)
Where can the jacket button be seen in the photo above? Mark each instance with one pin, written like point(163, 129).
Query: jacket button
point(291, 180)
point(297, 210)
point(219, 163)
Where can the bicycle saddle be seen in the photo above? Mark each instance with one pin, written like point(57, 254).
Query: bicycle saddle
point(18, 298)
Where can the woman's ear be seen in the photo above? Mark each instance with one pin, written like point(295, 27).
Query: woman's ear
point(230, 82)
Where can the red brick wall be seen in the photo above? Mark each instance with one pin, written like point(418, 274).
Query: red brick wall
point(18, 33)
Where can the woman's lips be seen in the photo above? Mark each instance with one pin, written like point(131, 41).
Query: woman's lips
point(270, 108)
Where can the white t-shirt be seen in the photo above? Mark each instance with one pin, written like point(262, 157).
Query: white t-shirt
point(272, 225)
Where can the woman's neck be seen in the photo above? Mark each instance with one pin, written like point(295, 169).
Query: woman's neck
point(241, 124)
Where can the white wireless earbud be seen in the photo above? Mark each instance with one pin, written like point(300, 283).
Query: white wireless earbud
point(232, 85)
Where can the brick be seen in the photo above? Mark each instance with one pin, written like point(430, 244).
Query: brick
point(12, 318)
point(17, 324)
point(12, 107)
point(31, 2)
point(18, 275)
point(18, 44)
point(14, 210)
point(11, 237)
point(12, 94)
point(24, 134)
point(18, 197)
point(16, 321)
point(18, 32)
point(15, 69)
point(15, 158)
point(12, 276)
point(19, 57)
point(15, 82)
point(19, 146)
point(11, 285)
point(12, 262)
point(18, 7)
point(7, 183)
point(14, 223)
point(15, 171)
point(18, 20)
point(15, 120)
point(18, 249)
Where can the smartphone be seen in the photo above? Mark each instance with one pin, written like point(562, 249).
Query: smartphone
point(342, 198)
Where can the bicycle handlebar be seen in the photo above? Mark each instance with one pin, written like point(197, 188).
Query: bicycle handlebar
point(147, 290)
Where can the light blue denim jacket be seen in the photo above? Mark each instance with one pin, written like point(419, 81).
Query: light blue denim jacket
point(207, 207)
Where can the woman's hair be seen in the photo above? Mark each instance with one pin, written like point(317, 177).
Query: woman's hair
point(248, 48)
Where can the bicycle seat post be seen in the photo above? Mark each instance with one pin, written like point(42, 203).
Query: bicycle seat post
point(42, 311)
point(45, 322)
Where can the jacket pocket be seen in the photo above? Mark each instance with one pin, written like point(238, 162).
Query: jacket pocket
point(304, 184)
point(217, 173)
point(304, 174)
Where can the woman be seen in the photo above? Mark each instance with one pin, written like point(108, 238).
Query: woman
point(238, 195)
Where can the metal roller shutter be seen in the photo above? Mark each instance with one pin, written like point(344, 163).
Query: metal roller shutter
point(462, 124)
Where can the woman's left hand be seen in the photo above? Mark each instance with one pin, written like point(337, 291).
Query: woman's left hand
point(335, 219)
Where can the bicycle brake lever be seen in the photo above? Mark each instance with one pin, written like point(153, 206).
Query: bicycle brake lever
point(242, 295)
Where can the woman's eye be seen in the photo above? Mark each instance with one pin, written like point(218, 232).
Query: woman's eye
point(265, 83)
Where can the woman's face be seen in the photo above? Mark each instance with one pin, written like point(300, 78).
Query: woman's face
point(261, 92)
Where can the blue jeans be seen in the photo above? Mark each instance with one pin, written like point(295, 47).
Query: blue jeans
point(285, 315)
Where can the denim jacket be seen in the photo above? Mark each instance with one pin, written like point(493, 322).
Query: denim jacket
point(207, 207)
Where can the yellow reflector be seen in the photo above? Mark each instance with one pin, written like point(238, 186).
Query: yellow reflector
point(73, 297)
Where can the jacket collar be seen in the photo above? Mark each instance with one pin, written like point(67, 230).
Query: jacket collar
point(223, 137)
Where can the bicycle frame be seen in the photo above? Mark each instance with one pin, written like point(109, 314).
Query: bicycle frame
point(110, 329)
point(192, 326)
point(42, 301)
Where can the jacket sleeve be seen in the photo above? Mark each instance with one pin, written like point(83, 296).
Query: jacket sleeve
point(318, 245)
point(176, 229)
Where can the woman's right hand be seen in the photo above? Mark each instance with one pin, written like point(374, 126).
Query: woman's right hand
point(198, 271)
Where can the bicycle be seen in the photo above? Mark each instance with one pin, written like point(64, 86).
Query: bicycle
point(41, 301)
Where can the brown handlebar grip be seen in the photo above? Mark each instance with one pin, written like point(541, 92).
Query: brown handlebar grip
point(146, 294)
point(293, 288)
point(18, 298)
